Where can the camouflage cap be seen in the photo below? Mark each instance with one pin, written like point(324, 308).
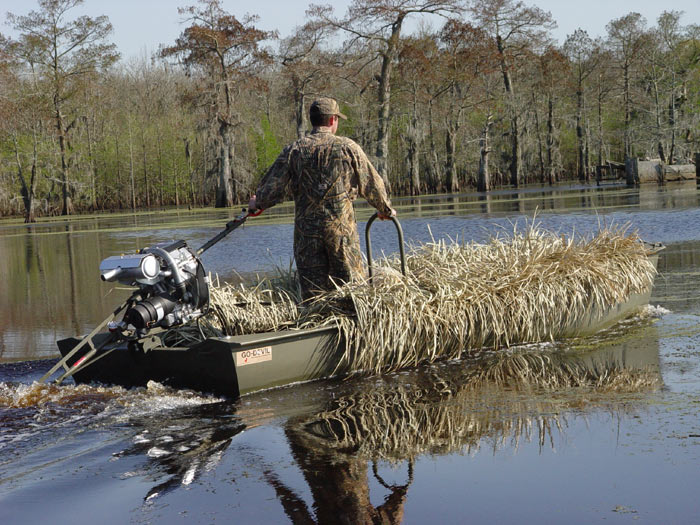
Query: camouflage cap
point(325, 106)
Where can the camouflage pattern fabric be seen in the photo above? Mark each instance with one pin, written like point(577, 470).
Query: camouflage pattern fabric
point(324, 173)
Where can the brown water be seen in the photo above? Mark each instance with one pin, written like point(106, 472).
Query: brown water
point(415, 446)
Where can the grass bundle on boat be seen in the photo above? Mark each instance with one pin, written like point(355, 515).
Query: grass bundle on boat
point(526, 287)
point(269, 305)
point(522, 287)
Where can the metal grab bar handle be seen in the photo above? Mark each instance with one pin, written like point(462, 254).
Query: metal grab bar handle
point(368, 243)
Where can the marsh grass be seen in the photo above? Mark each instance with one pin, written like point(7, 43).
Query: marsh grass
point(524, 287)
point(520, 287)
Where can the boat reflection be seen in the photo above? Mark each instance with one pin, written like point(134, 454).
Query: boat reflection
point(498, 399)
point(452, 406)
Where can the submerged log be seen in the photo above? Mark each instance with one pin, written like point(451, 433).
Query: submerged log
point(646, 171)
point(679, 172)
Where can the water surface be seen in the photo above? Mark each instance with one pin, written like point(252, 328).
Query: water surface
point(414, 446)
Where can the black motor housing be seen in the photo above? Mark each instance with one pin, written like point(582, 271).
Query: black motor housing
point(149, 312)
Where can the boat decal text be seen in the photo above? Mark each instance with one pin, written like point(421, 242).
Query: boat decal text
point(254, 355)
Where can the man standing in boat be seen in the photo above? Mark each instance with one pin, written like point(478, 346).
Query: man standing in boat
point(324, 173)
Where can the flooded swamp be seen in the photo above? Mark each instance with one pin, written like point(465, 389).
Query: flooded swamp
point(610, 431)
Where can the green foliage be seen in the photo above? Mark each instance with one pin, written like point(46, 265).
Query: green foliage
point(267, 148)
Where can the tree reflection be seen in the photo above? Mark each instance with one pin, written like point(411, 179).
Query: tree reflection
point(186, 446)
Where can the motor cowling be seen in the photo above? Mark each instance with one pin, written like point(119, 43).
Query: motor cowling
point(173, 288)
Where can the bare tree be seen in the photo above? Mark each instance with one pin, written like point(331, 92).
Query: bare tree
point(20, 110)
point(516, 29)
point(20, 116)
point(467, 56)
point(65, 50)
point(679, 56)
point(416, 65)
point(580, 49)
point(229, 53)
point(381, 23)
point(627, 37)
point(307, 66)
point(547, 74)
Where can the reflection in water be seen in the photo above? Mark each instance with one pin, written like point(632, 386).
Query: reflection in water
point(448, 408)
point(191, 443)
point(485, 200)
point(340, 489)
point(354, 443)
point(679, 273)
point(74, 300)
point(441, 410)
point(49, 288)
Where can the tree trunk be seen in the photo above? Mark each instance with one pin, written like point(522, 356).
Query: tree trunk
point(414, 167)
point(672, 119)
point(540, 147)
point(587, 149)
point(93, 170)
point(384, 99)
point(67, 208)
point(515, 151)
point(383, 119)
point(146, 182)
point(161, 179)
point(175, 181)
point(657, 114)
point(551, 171)
point(413, 146)
point(188, 156)
point(119, 173)
point(628, 112)
point(600, 121)
point(203, 195)
point(451, 181)
point(434, 178)
point(581, 168)
point(131, 167)
point(484, 177)
point(103, 190)
point(413, 163)
point(514, 120)
point(224, 190)
point(27, 190)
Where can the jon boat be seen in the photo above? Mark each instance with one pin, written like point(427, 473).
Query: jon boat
point(233, 366)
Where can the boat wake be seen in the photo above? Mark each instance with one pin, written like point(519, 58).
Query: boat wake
point(36, 413)
point(152, 398)
point(654, 311)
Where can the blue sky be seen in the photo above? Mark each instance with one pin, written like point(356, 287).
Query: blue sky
point(140, 26)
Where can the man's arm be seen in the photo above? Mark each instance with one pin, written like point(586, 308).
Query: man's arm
point(273, 186)
point(369, 183)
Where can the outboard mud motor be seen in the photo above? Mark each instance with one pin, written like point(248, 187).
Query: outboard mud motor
point(173, 288)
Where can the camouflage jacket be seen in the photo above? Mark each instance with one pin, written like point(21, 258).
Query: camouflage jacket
point(324, 173)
